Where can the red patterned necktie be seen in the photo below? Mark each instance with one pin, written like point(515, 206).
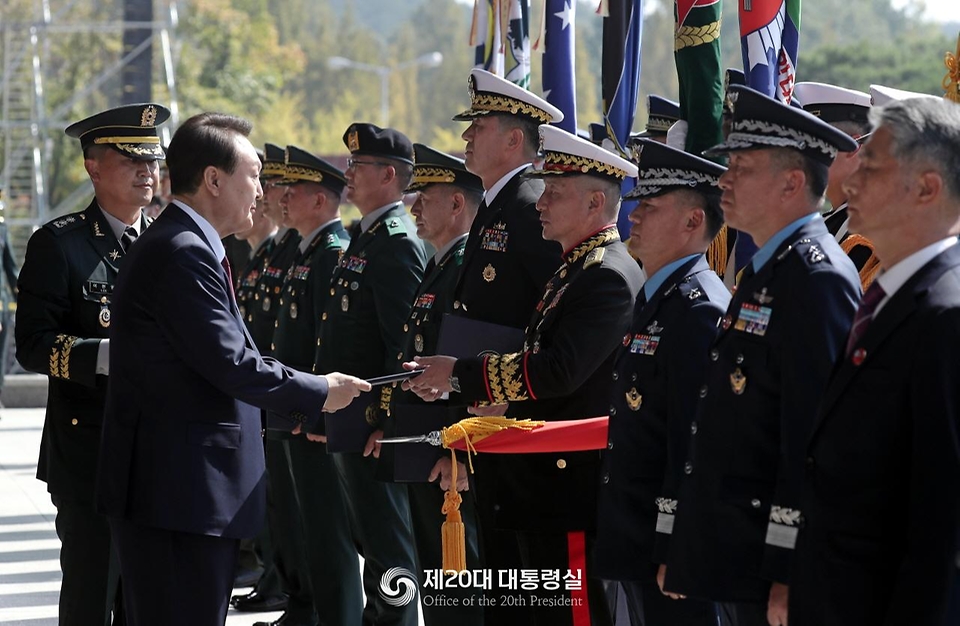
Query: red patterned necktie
point(868, 305)
point(226, 268)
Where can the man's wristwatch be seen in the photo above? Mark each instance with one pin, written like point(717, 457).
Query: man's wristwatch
point(454, 383)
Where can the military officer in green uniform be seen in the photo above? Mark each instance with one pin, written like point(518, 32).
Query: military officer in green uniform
point(362, 332)
point(63, 321)
point(311, 204)
point(564, 371)
point(447, 200)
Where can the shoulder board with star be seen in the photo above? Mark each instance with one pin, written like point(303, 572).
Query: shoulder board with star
point(394, 226)
point(67, 223)
point(810, 251)
point(458, 256)
point(690, 289)
point(594, 257)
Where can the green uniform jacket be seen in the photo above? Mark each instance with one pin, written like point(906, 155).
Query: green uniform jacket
point(260, 314)
point(63, 312)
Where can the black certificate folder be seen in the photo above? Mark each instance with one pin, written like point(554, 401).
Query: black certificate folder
point(348, 430)
point(463, 337)
point(412, 462)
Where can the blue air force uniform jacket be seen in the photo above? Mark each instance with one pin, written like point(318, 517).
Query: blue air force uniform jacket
point(64, 310)
point(881, 504)
point(739, 507)
point(659, 370)
point(564, 372)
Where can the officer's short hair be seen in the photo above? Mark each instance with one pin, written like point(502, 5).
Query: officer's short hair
point(529, 128)
point(473, 197)
point(204, 140)
point(815, 172)
point(925, 132)
point(709, 204)
point(403, 171)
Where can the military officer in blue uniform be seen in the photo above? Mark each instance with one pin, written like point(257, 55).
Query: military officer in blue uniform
point(63, 321)
point(311, 205)
point(662, 113)
point(361, 331)
point(447, 200)
point(563, 372)
point(880, 543)
point(659, 369)
point(847, 110)
point(739, 505)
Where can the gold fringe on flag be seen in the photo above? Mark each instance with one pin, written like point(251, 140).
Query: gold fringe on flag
point(471, 430)
point(951, 82)
point(717, 252)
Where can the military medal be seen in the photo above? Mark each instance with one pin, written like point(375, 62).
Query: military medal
point(489, 273)
point(266, 303)
point(626, 340)
point(105, 317)
point(634, 399)
point(293, 310)
point(418, 343)
point(645, 344)
point(738, 382)
point(345, 303)
point(753, 319)
point(726, 322)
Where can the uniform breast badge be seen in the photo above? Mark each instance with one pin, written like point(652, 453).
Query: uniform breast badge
point(418, 343)
point(634, 399)
point(762, 296)
point(104, 316)
point(489, 273)
point(345, 303)
point(738, 382)
point(114, 255)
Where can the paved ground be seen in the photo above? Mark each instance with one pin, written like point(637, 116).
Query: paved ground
point(29, 548)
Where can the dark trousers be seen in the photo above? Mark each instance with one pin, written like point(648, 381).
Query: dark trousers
point(553, 550)
point(644, 605)
point(426, 501)
point(328, 539)
point(91, 571)
point(289, 566)
point(172, 578)
point(380, 514)
point(742, 614)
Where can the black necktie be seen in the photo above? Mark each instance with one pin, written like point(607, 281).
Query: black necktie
point(127, 238)
point(431, 264)
point(868, 306)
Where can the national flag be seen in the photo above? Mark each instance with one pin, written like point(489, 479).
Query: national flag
point(559, 436)
point(620, 80)
point(556, 42)
point(770, 41)
point(500, 33)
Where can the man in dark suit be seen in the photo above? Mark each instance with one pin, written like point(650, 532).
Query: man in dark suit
point(447, 200)
point(181, 471)
point(847, 110)
point(659, 369)
point(739, 504)
point(548, 500)
point(881, 509)
point(311, 204)
point(361, 332)
point(63, 319)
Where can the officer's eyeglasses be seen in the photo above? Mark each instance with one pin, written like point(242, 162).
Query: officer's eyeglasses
point(353, 163)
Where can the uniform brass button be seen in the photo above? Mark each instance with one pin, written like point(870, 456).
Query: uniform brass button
point(318, 342)
point(324, 316)
point(703, 391)
point(400, 356)
point(74, 421)
point(693, 428)
point(406, 327)
point(561, 463)
point(739, 359)
point(714, 354)
point(755, 503)
point(613, 411)
point(456, 304)
point(606, 478)
point(273, 347)
point(610, 445)
point(616, 375)
point(332, 291)
point(688, 468)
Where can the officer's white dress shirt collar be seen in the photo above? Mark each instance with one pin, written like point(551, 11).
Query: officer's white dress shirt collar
point(895, 277)
point(117, 226)
point(213, 238)
point(306, 241)
point(491, 194)
point(368, 220)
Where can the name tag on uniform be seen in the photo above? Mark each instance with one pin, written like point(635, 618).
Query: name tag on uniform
point(425, 301)
point(645, 344)
point(356, 264)
point(494, 238)
point(753, 319)
point(99, 288)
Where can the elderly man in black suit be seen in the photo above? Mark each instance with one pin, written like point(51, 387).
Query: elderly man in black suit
point(880, 541)
point(181, 472)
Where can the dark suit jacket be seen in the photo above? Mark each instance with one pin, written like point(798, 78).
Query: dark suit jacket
point(881, 499)
point(507, 261)
point(565, 372)
point(64, 310)
point(739, 503)
point(659, 370)
point(181, 447)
